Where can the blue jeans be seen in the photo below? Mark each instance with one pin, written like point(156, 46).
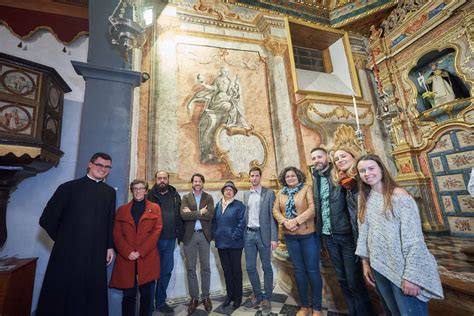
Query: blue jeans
point(254, 244)
point(397, 302)
point(341, 249)
point(304, 253)
point(166, 250)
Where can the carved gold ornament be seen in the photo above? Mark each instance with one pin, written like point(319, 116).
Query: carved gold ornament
point(340, 112)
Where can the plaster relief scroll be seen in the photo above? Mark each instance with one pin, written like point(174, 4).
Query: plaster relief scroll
point(241, 148)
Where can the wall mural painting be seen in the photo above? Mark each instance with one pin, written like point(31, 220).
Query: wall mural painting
point(223, 106)
point(436, 80)
point(224, 117)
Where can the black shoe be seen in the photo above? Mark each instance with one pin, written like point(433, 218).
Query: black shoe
point(165, 309)
point(237, 303)
point(226, 302)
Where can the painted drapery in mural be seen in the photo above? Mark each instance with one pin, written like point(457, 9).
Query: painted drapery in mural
point(224, 110)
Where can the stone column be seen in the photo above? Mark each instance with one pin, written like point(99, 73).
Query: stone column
point(106, 121)
point(106, 115)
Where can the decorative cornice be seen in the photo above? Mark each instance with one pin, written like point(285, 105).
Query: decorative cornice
point(277, 48)
point(91, 71)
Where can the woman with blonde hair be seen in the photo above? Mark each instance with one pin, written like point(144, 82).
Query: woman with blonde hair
point(341, 240)
point(294, 212)
point(394, 255)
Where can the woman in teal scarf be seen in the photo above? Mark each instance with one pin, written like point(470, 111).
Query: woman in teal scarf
point(294, 212)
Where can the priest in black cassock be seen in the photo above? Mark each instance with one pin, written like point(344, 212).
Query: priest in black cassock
point(79, 218)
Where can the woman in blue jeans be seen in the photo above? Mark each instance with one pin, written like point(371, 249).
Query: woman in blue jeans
point(294, 212)
point(394, 255)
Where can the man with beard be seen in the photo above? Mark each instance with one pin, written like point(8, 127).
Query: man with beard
point(79, 218)
point(197, 211)
point(169, 201)
point(334, 225)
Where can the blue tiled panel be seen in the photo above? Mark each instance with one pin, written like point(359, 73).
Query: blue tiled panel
point(458, 174)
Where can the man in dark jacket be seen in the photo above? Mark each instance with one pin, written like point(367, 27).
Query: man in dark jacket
point(334, 224)
point(79, 218)
point(166, 196)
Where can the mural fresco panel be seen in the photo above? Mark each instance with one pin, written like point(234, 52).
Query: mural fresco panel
point(437, 164)
point(461, 224)
point(222, 89)
point(466, 203)
point(463, 160)
point(452, 182)
point(448, 203)
point(443, 144)
point(465, 139)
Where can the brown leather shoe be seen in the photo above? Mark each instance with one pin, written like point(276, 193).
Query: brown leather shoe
point(193, 304)
point(207, 304)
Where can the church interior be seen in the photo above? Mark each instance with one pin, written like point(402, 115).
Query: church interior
point(135, 79)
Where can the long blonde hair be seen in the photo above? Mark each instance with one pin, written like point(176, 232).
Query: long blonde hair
point(388, 186)
point(352, 171)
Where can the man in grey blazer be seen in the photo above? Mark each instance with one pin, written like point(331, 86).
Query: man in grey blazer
point(261, 235)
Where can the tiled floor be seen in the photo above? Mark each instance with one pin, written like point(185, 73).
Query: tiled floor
point(452, 262)
point(281, 304)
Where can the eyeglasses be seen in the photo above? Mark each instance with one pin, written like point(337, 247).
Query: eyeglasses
point(101, 166)
point(138, 189)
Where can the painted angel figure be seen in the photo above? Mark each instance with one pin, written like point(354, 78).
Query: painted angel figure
point(223, 107)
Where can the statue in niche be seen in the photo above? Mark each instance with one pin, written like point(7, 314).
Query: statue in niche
point(436, 80)
point(441, 85)
point(223, 99)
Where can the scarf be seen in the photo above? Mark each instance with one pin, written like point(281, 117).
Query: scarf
point(290, 209)
point(225, 204)
point(346, 182)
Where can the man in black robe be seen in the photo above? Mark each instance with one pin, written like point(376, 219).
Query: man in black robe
point(79, 218)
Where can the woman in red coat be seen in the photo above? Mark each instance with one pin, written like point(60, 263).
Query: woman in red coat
point(136, 231)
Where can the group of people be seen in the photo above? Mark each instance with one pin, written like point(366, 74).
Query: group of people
point(369, 226)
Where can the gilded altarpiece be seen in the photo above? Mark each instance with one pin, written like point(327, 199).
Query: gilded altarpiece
point(423, 61)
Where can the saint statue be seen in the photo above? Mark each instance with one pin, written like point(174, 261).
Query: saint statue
point(441, 85)
point(223, 107)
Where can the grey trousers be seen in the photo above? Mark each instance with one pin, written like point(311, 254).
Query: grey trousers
point(198, 245)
